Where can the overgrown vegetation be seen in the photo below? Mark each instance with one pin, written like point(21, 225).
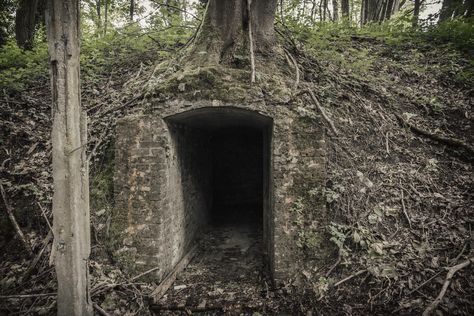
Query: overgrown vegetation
point(401, 203)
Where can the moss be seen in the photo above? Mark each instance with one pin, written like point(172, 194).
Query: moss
point(224, 83)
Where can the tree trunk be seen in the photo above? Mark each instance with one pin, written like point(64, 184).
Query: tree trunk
point(389, 9)
point(132, 9)
point(225, 29)
point(99, 17)
point(450, 9)
point(106, 12)
point(470, 8)
point(335, 15)
point(345, 9)
point(416, 13)
point(25, 23)
point(70, 169)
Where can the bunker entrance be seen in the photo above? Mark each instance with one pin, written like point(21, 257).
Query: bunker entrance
point(220, 177)
point(237, 177)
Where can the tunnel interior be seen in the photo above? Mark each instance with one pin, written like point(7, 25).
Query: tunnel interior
point(237, 176)
point(221, 173)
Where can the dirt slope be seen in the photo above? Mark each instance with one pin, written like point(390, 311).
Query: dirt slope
point(402, 203)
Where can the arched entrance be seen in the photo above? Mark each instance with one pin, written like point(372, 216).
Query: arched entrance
point(220, 175)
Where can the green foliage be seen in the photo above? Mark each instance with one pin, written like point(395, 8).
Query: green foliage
point(457, 32)
point(18, 68)
point(338, 235)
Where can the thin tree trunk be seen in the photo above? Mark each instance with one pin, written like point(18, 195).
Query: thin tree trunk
point(389, 9)
point(325, 5)
point(99, 17)
point(106, 12)
point(132, 9)
point(446, 11)
point(70, 169)
point(470, 8)
point(345, 9)
point(25, 23)
point(313, 10)
point(335, 15)
point(416, 13)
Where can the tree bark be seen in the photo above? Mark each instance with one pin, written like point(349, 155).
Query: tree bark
point(225, 29)
point(25, 23)
point(345, 9)
point(106, 12)
point(132, 9)
point(99, 17)
point(335, 15)
point(470, 8)
point(416, 13)
point(70, 169)
point(450, 9)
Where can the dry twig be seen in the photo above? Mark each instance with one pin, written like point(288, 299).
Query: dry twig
point(452, 142)
point(350, 277)
point(100, 310)
point(451, 271)
point(404, 209)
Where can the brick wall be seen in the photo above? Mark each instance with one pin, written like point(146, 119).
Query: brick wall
point(162, 188)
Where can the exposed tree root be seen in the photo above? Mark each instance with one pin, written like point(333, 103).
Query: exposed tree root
point(452, 142)
point(321, 110)
point(451, 271)
point(252, 55)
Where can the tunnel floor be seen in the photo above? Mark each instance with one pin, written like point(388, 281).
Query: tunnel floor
point(227, 271)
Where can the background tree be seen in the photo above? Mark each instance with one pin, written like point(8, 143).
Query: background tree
point(25, 23)
point(345, 9)
point(7, 9)
point(71, 245)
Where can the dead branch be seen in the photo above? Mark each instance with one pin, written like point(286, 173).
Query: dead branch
point(45, 217)
point(9, 210)
point(27, 295)
point(404, 209)
point(452, 142)
point(350, 277)
point(100, 310)
point(197, 309)
point(252, 56)
point(334, 266)
point(321, 110)
point(38, 256)
point(144, 273)
point(451, 271)
point(161, 289)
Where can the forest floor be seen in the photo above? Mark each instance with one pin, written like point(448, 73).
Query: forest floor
point(227, 275)
point(400, 192)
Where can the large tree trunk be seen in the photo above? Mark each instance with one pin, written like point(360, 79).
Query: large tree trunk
point(70, 169)
point(25, 23)
point(224, 31)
